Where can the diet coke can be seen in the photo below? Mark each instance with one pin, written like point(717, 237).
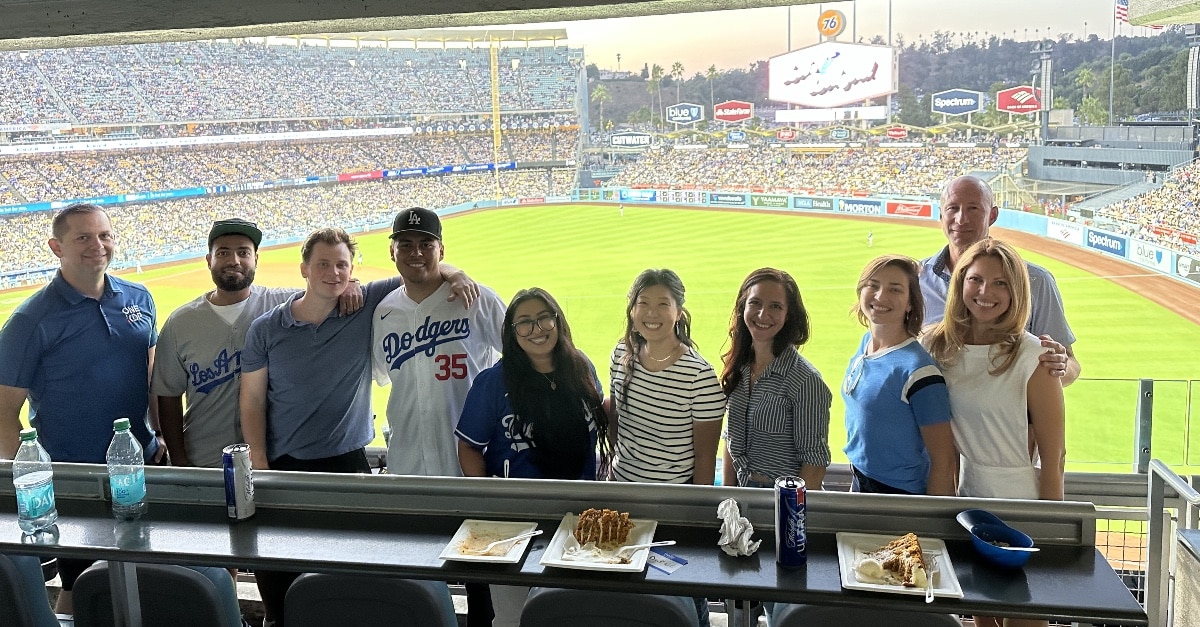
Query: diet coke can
point(239, 481)
point(791, 528)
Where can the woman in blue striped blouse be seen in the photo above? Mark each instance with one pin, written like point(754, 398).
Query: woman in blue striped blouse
point(778, 405)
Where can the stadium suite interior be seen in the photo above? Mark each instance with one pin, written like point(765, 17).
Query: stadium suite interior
point(41, 24)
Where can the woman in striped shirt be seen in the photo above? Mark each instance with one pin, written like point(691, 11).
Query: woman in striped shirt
point(666, 401)
point(778, 405)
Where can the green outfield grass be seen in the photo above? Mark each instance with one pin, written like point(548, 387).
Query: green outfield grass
point(587, 256)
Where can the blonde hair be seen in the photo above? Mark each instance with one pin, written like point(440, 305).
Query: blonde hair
point(948, 337)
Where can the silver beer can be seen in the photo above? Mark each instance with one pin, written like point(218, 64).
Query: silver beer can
point(239, 481)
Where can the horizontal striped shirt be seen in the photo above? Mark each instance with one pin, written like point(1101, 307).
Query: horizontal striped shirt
point(655, 419)
point(782, 423)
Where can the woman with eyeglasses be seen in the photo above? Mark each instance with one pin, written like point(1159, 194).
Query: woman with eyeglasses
point(899, 439)
point(536, 414)
point(778, 410)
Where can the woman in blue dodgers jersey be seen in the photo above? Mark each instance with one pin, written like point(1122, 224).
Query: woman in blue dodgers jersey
point(535, 414)
point(898, 436)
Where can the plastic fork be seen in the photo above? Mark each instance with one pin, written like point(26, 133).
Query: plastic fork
point(931, 569)
point(485, 550)
point(635, 547)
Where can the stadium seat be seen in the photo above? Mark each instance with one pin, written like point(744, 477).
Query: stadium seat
point(555, 607)
point(23, 600)
point(319, 600)
point(201, 596)
point(789, 615)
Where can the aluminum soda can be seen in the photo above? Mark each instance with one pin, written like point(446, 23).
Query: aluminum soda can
point(791, 526)
point(239, 481)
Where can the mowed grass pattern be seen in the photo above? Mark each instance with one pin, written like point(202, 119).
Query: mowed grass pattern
point(587, 256)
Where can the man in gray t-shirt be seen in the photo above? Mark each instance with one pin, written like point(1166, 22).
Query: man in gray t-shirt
point(968, 209)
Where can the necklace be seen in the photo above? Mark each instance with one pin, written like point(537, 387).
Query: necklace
point(553, 385)
point(669, 355)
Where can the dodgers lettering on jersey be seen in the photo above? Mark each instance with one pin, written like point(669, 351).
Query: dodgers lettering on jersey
point(224, 368)
point(400, 347)
point(518, 441)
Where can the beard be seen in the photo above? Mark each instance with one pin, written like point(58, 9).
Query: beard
point(233, 283)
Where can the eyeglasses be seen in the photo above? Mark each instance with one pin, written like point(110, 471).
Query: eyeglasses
point(853, 375)
point(524, 328)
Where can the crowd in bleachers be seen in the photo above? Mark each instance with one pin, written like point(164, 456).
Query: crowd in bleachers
point(196, 81)
point(27, 179)
point(151, 230)
point(876, 170)
point(1168, 215)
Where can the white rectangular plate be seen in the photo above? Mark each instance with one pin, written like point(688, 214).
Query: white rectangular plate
point(642, 533)
point(485, 532)
point(852, 546)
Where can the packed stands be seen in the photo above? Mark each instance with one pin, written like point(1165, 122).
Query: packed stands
point(1168, 215)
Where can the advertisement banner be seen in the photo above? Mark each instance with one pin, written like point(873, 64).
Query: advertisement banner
point(909, 209)
point(531, 200)
point(1064, 231)
point(1107, 242)
point(831, 74)
point(1150, 255)
point(734, 200)
point(639, 195)
point(775, 202)
point(862, 207)
point(630, 140)
point(956, 102)
point(820, 204)
point(684, 113)
point(733, 111)
point(1023, 99)
point(1187, 267)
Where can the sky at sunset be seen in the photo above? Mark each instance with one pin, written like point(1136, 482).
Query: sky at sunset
point(733, 39)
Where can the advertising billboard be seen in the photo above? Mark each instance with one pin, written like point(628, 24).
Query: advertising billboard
point(897, 132)
point(763, 200)
point(786, 134)
point(909, 209)
point(866, 207)
point(820, 204)
point(1150, 255)
point(831, 74)
point(1064, 231)
point(630, 140)
point(1107, 242)
point(738, 200)
point(1187, 267)
point(733, 111)
point(956, 102)
point(736, 136)
point(684, 113)
point(1023, 99)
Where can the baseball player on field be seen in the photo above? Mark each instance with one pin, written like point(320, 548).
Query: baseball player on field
point(429, 350)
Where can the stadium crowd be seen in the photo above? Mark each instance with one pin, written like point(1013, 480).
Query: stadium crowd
point(208, 81)
point(160, 229)
point(881, 170)
point(1167, 216)
point(27, 179)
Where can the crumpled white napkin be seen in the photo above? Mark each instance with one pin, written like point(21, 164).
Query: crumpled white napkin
point(735, 530)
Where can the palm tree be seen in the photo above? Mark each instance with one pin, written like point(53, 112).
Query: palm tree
point(711, 75)
point(655, 87)
point(600, 96)
point(1086, 79)
point(677, 76)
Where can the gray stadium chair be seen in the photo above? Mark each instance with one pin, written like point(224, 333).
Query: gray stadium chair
point(202, 596)
point(318, 600)
point(555, 607)
point(788, 615)
point(23, 600)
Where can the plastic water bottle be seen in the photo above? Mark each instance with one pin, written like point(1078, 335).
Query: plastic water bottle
point(33, 478)
point(126, 472)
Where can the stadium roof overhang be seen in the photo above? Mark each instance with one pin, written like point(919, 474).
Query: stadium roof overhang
point(1146, 12)
point(29, 24)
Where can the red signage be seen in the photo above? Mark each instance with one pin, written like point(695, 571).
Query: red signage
point(910, 209)
point(786, 134)
point(897, 132)
point(1023, 99)
point(733, 111)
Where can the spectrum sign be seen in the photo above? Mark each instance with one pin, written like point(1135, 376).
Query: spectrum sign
point(733, 111)
point(831, 74)
point(957, 102)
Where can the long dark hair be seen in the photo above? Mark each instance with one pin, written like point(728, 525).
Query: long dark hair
point(633, 340)
point(571, 369)
point(794, 332)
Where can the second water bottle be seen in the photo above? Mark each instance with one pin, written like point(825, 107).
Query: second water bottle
point(126, 473)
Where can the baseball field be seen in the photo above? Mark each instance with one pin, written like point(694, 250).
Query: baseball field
point(587, 256)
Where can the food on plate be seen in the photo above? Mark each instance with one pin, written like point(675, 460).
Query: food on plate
point(603, 528)
point(478, 538)
point(899, 562)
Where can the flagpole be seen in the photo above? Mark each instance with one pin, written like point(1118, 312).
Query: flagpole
point(1112, 66)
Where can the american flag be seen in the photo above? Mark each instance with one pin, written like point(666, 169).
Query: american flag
point(1123, 10)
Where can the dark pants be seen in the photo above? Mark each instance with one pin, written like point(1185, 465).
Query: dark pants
point(272, 584)
point(865, 484)
point(479, 605)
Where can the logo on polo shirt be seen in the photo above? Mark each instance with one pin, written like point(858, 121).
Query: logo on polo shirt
point(133, 314)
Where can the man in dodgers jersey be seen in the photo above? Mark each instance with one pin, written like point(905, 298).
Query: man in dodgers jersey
point(429, 350)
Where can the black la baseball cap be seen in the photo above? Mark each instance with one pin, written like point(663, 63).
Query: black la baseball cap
point(417, 219)
point(235, 226)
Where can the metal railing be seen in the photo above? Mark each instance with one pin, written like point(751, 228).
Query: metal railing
point(1159, 569)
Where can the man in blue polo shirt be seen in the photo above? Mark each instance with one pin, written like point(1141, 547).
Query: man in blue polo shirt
point(80, 350)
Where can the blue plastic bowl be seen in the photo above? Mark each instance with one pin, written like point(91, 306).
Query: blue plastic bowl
point(984, 534)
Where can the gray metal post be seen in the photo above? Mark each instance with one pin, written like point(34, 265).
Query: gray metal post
point(1144, 421)
point(127, 605)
